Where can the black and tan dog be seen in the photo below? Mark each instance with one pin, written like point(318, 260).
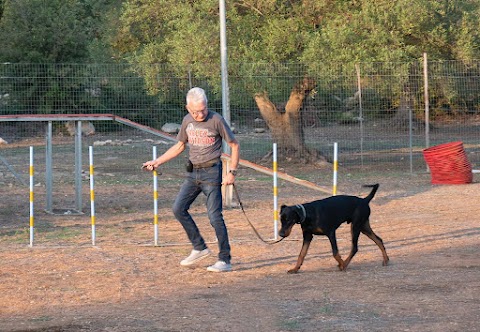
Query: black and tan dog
point(323, 217)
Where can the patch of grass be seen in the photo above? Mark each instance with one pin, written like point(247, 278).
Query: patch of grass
point(254, 148)
point(327, 307)
point(15, 236)
point(60, 233)
point(292, 324)
point(47, 230)
point(122, 180)
point(258, 178)
point(41, 319)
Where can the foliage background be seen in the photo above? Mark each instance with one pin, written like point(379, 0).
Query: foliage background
point(137, 59)
point(321, 37)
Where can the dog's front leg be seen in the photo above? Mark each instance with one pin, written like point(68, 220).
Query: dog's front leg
point(301, 257)
point(307, 239)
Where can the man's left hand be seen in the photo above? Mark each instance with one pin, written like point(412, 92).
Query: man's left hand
point(229, 179)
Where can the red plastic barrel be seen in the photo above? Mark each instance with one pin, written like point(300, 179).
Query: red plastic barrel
point(448, 164)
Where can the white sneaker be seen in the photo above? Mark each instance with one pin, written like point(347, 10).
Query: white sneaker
point(195, 256)
point(220, 266)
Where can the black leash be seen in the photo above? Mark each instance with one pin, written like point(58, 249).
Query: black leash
point(241, 206)
point(248, 220)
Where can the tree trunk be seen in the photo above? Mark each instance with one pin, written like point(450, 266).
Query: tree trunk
point(401, 119)
point(286, 127)
point(406, 107)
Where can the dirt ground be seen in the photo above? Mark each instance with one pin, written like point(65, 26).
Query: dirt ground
point(124, 283)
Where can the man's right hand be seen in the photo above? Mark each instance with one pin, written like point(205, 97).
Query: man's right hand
point(148, 166)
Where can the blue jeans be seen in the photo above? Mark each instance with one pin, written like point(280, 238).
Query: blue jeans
point(208, 181)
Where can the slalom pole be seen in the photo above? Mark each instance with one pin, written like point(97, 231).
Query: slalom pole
point(275, 192)
point(335, 167)
point(31, 171)
point(155, 200)
point(92, 194)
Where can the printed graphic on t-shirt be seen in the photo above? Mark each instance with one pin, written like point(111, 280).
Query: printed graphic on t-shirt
point(199, 136)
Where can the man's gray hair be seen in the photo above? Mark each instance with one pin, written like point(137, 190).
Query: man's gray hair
point(196, 95)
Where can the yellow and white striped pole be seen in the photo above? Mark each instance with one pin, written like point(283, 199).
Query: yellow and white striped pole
point(275, 192)
point(155, 199)
point(31, 172)
point(335, 167)
point(92, 194)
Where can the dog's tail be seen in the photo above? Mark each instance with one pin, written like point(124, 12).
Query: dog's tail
point(372, 193)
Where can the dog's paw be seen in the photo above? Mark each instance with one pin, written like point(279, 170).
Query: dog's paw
point(292, 271)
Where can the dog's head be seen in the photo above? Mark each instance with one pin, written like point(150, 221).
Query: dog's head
point(289, 216)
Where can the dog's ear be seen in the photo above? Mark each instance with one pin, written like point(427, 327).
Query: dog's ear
point(282, 207)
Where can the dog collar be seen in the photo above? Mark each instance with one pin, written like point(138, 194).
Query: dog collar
point(301, 207)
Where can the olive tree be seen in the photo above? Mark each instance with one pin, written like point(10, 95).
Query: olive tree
point(312, 33)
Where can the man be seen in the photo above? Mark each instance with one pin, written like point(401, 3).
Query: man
point(203, 131)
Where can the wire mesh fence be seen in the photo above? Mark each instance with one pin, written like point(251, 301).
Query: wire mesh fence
point(377, 112)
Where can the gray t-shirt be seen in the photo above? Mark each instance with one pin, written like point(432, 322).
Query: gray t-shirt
point(205, 138)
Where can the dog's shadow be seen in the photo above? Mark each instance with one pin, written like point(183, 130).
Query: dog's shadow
point(288, 262)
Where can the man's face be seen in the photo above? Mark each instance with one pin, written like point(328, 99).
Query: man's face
point(198, 110)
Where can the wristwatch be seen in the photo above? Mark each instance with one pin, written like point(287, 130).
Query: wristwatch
point(233, 171)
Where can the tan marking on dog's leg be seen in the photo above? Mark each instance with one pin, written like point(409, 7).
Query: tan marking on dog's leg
point(301, 257)
point(367, 230)
point(378, 241)
point(347, 261)
point(341, 263)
